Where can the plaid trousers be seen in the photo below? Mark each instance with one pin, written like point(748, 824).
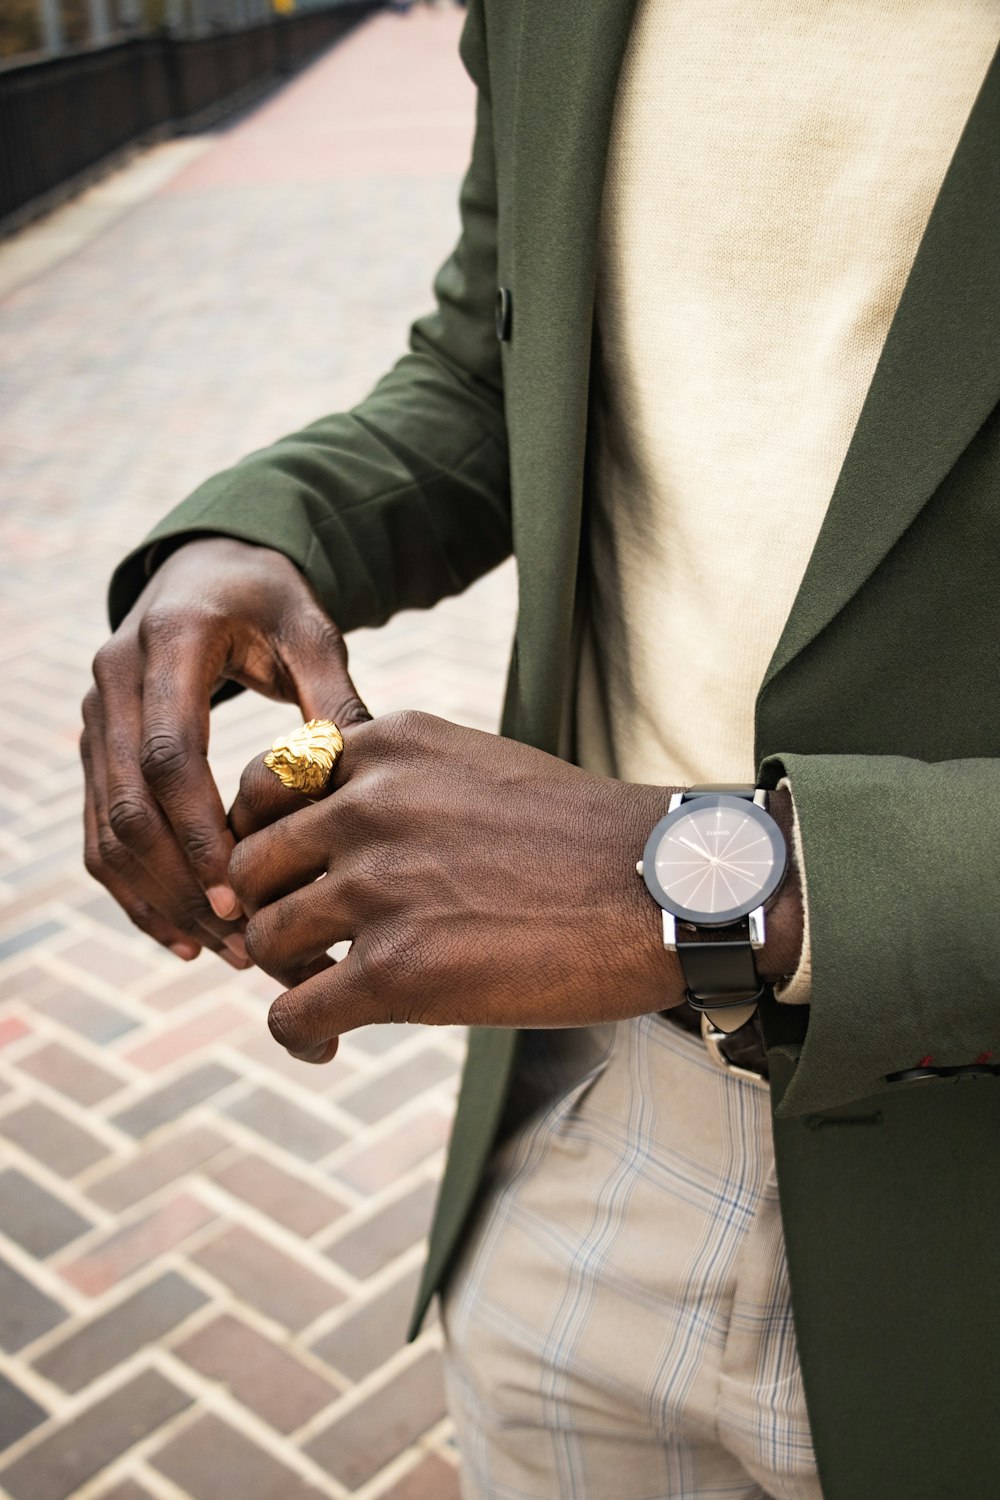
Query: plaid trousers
point(619, 1324)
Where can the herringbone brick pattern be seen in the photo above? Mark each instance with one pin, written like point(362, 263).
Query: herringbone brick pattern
point(208, 1251)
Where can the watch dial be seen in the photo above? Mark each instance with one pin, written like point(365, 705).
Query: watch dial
point(715, 859)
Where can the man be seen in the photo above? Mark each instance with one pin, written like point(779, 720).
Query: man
point(717, 355)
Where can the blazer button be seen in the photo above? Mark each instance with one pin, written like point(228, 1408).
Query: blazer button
point(504, 308)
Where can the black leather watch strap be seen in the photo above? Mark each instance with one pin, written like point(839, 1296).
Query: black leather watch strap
point(719, 974)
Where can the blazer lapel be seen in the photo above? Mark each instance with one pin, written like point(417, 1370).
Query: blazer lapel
point(569, 60)
point(936, 382)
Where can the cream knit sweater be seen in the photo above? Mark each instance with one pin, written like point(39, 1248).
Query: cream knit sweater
point(772, 167)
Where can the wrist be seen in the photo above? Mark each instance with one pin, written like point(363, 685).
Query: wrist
point(654, 973)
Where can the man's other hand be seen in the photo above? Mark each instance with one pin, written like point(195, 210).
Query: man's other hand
point(156, 836)
point(479, 881)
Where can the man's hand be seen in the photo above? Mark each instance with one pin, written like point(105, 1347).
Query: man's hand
point(480, 882)
point(156, 833)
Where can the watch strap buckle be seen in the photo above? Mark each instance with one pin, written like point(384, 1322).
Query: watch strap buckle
point(713, 1039)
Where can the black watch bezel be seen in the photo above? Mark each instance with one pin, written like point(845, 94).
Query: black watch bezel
point(713, 919)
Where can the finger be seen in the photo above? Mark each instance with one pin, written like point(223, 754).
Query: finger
point(262, 800)
point(296, 843)
point(288, 937)
point(265, 868)
point(127, 814)
point(124, 883)
point(145, 902)
point(308, 1019)
point(316, 658)
point(180, 674)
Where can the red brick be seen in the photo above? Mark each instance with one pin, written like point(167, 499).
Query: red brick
point(433, 1478)
point(72, 1454)
point(377, 1097)
point(127, 1490)
point(357, 1445)
point(369, 1245)
point(67, 1071)
point(18, 1413)
point(157, 1165)
point(166, 1104)
point(188, 1036)
point(302, 1132)
point(265, 1378)
point(267, 1278)
point(35, 1218)
point(12, 1029)
point(372, 1334)
point(114, 965)
point(190, 981)
point(112, 1337)
point(25, 1311)
point(84, 1013)
point(63, 1145)
point(279, 1193)
point(211, 1461)
point(124, 1250)
point(379, 1163)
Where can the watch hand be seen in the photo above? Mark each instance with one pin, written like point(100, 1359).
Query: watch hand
point(728, 844)
point(688, 845)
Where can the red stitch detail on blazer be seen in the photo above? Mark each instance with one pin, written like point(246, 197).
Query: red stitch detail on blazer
point(925, 1062)
point(984, 1057)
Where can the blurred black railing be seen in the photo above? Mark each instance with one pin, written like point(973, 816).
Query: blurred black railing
point(60, 116)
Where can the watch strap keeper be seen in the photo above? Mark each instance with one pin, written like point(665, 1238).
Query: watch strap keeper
point(719, 974)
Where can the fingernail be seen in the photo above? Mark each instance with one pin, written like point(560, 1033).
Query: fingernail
point(232, 960)
point(237, 947)
point(223, 901)
point(186, 951)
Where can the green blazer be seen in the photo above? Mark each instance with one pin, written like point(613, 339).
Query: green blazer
point(882, 704)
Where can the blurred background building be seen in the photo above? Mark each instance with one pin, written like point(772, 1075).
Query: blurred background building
point(83, 80)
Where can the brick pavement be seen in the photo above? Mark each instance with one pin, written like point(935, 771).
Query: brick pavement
point(207, 1251)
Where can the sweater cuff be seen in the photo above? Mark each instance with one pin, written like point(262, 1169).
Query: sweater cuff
point(797, 989)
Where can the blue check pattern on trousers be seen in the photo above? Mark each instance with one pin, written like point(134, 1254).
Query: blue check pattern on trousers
point(619, 1326)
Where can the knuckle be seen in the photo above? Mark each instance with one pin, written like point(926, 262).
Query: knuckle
point(409, 730)
point(314, 632)
point(110, 852)
point(91, 706)
point(201, 847)
point(376, 963)
point(131, 821)
point(162, 621)
point(92, 861)
point(141, 915)
point(164, 757)
point(106, 665)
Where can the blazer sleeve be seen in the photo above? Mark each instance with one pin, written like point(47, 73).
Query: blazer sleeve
point(405, 498)
point(904, 876)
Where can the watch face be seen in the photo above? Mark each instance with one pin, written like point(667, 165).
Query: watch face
point(714, 859)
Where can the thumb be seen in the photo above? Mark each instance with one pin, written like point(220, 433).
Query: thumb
point(316, 658)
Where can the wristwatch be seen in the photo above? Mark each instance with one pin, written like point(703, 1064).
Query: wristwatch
point(713, 865)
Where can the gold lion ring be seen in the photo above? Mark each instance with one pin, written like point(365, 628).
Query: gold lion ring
point(304, 760)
